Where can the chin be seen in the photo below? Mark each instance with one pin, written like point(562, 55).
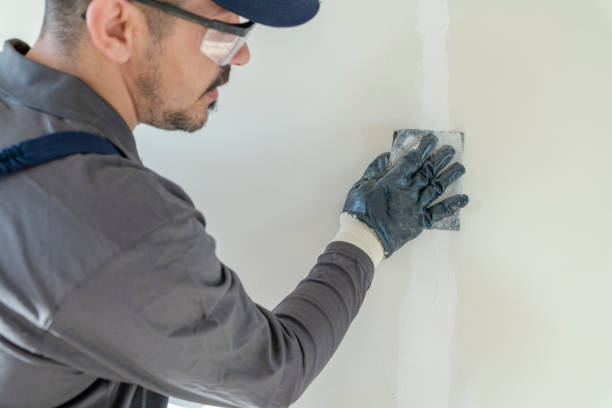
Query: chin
point(182, 121)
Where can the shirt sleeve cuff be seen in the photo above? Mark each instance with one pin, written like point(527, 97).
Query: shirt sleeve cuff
point(359, 234)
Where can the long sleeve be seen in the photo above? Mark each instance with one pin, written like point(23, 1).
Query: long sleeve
point(166, 314)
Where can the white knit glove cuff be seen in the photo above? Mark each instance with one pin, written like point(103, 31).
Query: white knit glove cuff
point(359, 234)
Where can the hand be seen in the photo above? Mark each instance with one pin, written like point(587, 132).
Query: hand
point(394, 202)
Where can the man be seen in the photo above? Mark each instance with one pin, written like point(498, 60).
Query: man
point(111, 292)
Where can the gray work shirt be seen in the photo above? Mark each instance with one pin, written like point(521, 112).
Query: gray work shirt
point(111, 294)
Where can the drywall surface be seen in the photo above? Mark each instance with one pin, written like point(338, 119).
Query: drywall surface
point(531, 85)
point(510, 312)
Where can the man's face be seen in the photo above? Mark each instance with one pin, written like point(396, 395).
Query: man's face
point(175, 85)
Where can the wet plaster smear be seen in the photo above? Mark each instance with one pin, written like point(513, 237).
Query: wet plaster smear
point(428, 308)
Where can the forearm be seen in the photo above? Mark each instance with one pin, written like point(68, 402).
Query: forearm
point(318, 313)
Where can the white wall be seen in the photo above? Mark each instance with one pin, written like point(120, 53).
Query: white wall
point(513, 310)
point(532, 86)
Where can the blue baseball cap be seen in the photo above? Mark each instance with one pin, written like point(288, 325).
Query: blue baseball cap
point(275, 13)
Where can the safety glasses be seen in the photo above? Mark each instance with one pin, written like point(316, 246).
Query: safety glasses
point(222, 40)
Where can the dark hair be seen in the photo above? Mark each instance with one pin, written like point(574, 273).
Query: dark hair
point(63, 21)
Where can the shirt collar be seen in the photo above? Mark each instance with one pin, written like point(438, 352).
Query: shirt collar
point(61, 94)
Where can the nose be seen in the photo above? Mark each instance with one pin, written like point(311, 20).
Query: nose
point(242, 57)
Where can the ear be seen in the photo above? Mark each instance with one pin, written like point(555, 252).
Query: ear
point(114, 27)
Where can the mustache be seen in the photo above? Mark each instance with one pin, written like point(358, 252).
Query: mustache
point(220, 80)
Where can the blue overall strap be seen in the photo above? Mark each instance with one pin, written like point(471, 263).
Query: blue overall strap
point(50, 147)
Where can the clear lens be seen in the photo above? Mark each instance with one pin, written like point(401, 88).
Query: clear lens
point(221, 47)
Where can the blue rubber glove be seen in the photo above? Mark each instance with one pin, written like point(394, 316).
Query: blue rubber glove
point(394, 202)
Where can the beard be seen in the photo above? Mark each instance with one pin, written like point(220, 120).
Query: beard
point(148, 85)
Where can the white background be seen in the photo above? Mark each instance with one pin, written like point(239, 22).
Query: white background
point(514, 310)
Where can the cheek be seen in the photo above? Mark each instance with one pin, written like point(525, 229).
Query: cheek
point(188, 72)
point(183, 83)
point(196, 64)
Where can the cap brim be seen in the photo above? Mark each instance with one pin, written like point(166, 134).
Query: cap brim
point(275, 13)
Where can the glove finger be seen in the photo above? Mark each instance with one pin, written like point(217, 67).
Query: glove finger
point(438, 185)
point(377, 168)
point(432, 166)
point(446, 208)
point(442, 157)
point(412, 161)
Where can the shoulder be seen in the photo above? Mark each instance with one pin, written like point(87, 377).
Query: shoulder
point(63, 221)
point(119, 198)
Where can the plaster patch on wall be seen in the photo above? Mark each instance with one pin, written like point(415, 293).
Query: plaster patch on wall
point(433, 25)
point(428, 309)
